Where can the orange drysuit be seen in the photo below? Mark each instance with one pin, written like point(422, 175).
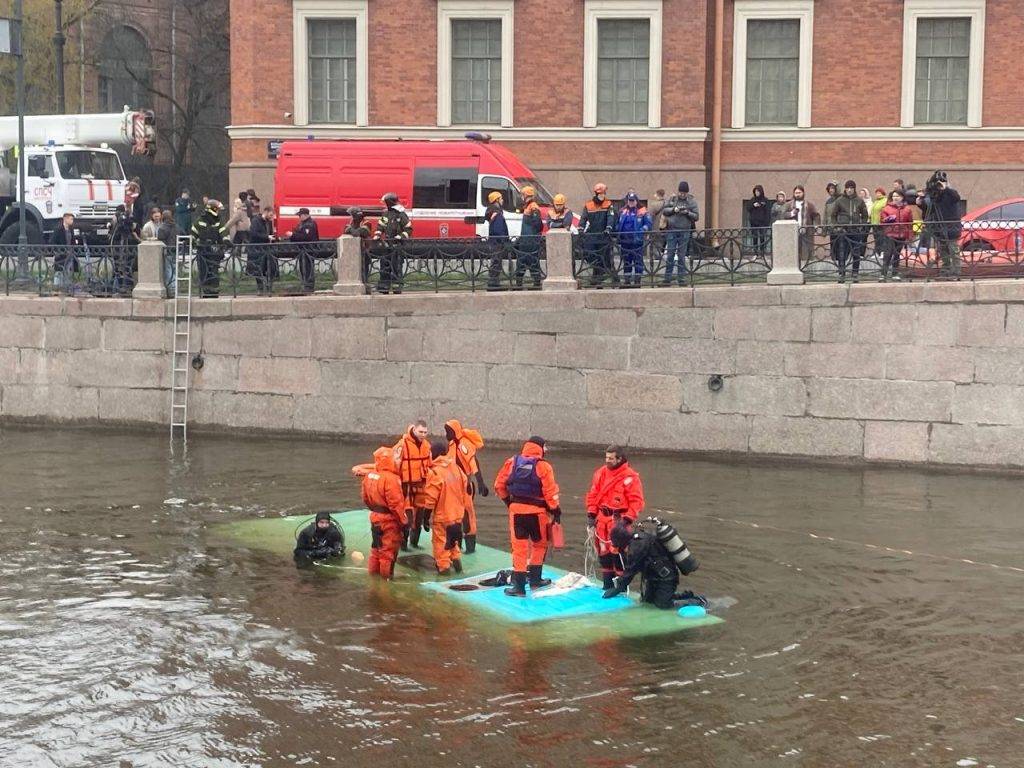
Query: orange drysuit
point(445, 499)
point(528, 519)
point(462, 446)
point(413, 457)
point(614, 494)
point(382, 495)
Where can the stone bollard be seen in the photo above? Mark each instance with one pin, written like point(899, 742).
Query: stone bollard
point(151, 271)
point(785, 254)
point(559, 259)
point(348, 266)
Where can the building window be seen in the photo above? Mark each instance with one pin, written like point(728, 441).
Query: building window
point(330, 76)
point(124, 70)
point(474, 62)
point(940, 87)
point(623, 71)
point(943, 62)
point(622, 63)
point(476, 71)
point(772, 63)
point(332, 70)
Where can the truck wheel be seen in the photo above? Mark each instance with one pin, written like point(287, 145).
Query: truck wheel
point(32, 232)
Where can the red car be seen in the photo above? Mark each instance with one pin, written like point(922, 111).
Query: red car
point(995, 227)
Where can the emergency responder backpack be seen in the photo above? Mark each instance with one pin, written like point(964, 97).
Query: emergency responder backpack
point(524, 482)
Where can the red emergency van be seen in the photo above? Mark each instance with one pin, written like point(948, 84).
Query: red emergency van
point(443, 184)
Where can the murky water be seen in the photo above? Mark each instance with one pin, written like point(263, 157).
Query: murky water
point(130, 636)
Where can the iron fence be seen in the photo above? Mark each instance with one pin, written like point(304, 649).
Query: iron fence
point(75, 270)
point(951, 250)
point(664, 258)
point(459, 264)
point(262, 269)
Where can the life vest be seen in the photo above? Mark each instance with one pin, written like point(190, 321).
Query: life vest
point(413, 458)
point(523, 483)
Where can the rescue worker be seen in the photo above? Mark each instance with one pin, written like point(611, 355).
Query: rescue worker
point(526, 484)
point(497, 237)
point(359, 228)
point(559, 216)
point(444, 506)
point(597, 222)
point(382, 495)
point(644, 554)
point(306, 232)
point(463, 445)
point(412, 453)
point(616, 493)
point(393, 228)
point(320, 539)
point(211, 239)
point(632, 225)
point(528, 245)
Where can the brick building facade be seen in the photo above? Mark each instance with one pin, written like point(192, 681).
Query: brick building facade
point(624, 91)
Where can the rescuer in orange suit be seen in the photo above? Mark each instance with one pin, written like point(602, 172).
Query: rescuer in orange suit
point(526, 483)
point(463, 444)
point(382, 495)
point(413, 457)
point(615, 493)
point(444, 505)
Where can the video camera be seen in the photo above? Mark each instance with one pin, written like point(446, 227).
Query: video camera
point(936, 182)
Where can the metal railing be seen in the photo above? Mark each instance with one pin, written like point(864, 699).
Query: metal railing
point(664, 258)
point(74, 270)
point(912, 251)
point(463, 264)
point(263, 269)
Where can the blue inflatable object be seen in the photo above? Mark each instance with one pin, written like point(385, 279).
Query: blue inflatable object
point(693, 612)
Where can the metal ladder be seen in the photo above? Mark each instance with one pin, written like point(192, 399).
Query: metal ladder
point(182, 330)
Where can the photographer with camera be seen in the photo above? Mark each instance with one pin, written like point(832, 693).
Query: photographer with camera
point(940, 204)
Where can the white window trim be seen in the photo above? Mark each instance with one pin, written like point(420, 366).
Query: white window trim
point(302, 12)
point(621, 9)
point(757, 10)
point(934, 9)
point(450, 10)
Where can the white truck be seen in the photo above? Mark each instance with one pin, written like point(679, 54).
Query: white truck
point(69, 169)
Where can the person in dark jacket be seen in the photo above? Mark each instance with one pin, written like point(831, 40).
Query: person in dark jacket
point(681, 213)
point(306, 232)
point(184, 208)
point(359, 227)
point(644, 555)
point(167, 233)
point(759, 215)
point(211, 238)
point(632, 225)
point(851, 218)
point(497, 238)
point(124, 236)
point(260, 260)
point(320, 540)
point(559, 215)
point(597, 222)
point(65, 264)
point(940, 206)
point(528, 244)
point(393, 229)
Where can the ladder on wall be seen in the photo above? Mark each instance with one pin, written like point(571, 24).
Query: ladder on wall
point(182, 329)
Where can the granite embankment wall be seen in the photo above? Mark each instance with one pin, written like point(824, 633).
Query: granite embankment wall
point(920, 373)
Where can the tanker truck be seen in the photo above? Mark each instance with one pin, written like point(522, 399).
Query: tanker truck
point(70, 168)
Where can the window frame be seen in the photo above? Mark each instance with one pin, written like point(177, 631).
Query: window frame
point(772, 10)
point(913, 10)
point(474, 10)
point(622, 10)
point(781, 81)
point(304, 11)
point(644, 118)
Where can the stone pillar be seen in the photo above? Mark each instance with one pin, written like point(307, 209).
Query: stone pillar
point(151, 271)
point(559, 260)
point(349, 267)
point(785, 254)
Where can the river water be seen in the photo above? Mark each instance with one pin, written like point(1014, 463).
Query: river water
point(877, 622)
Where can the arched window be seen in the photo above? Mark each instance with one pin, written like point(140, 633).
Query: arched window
point(125, 67)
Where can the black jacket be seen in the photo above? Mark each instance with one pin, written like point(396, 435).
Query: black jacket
point(316, 544)
point(63, 236)
point(942, 206)
point(258, 230)
point(393, 224)
point(646, 555)
point(305, 232)
point(759, 210)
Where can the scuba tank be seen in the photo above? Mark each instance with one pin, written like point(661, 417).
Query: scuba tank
point(669, 538)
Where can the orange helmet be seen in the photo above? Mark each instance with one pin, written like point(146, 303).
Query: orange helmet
point(559, 199)
point(528, 191)
point(494, 197)
point(600, 189)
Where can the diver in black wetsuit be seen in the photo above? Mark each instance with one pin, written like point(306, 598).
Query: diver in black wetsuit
point(642, 553)
point(320, 539)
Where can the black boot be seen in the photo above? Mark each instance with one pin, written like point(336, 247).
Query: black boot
point(405, 541)
point(414, 536)
point(536, 580)
point(518, 588)
point(609, 581)
point(470, 544)
point(457, 565)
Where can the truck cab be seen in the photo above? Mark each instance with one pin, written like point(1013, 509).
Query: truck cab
point(88, 182)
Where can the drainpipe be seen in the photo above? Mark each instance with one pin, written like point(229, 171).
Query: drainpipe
point(58, 53)
point(716, 118)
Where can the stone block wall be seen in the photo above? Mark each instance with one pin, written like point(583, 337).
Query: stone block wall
point(911, 373)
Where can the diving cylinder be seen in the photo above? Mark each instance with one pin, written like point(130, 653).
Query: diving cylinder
point(669, 538)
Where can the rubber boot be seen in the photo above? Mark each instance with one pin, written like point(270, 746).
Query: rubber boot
point(470, 544)
point(405, 541)
point(518, 588)
point(414, 536)
point(609, 581)
point(536, 580)
point(457, 565)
